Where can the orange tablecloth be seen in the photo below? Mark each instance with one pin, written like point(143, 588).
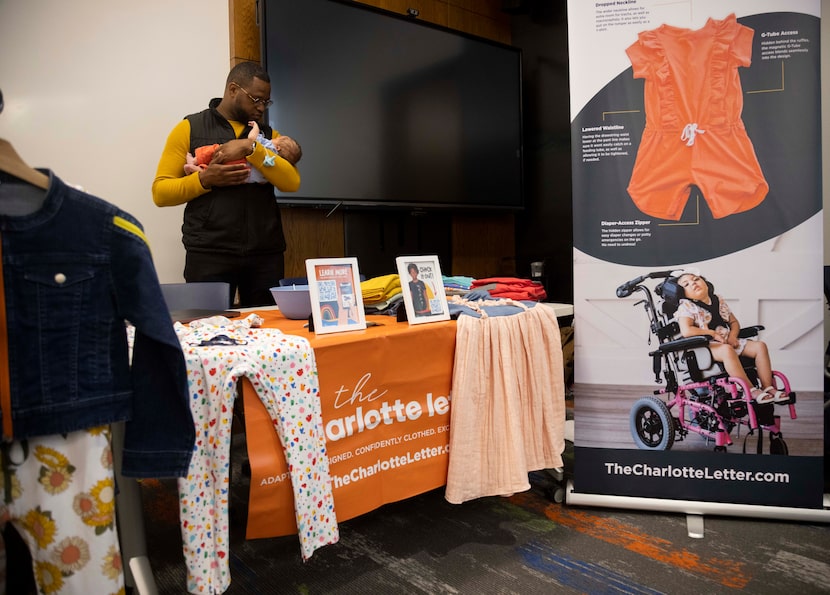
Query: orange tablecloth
point(385, 401)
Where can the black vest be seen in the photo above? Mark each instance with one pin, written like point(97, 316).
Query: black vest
point(239, 220)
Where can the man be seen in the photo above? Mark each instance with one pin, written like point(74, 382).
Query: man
point(232, 230)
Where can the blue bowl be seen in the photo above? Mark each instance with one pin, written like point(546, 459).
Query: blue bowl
point(293, 301)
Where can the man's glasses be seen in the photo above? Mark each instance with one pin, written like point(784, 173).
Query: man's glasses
point(257, 100)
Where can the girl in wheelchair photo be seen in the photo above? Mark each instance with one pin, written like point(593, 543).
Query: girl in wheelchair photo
point(718, 376)
point(701, 312)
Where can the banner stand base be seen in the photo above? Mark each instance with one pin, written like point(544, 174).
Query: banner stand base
point(695, 511)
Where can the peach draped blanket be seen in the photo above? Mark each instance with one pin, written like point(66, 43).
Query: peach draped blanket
point(508, 403)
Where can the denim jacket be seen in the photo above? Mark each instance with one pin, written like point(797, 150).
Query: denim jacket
point(74, 274)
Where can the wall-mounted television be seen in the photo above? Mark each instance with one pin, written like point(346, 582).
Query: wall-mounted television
point(392, 111)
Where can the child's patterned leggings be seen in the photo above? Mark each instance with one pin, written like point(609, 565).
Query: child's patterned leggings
point(283, 372)
point(58, 492)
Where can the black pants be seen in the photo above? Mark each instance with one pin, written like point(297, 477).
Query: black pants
point(252, 276)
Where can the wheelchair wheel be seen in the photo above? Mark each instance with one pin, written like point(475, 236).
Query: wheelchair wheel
point(651, 424)
point(777, 446)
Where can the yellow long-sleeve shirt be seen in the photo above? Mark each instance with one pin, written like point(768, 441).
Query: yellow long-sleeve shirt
point(173, 187)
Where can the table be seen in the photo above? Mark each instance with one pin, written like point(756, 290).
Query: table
point(385, 407)
point(385, 396)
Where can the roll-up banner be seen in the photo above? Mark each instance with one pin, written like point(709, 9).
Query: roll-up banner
point(698, 260)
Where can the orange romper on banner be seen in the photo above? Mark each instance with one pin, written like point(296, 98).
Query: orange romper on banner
point(694, 134)
point(385, 395)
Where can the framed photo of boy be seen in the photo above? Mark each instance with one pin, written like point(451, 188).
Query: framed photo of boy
point(423, 289)
point(336, 298)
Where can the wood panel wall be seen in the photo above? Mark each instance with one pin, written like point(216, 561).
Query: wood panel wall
point(483, 244)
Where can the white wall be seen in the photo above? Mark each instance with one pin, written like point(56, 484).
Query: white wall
point(93, 87)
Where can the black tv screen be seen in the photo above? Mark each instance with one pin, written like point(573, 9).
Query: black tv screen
point(392, 111)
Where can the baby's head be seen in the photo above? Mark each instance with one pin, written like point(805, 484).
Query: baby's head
point(288, 149)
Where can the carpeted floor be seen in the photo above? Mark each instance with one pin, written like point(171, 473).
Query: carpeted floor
point(526, 543)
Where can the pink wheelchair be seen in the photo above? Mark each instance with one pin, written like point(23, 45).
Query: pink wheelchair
point(698, 396)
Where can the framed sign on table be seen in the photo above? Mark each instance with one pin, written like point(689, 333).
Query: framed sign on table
point(423, 289)
point(336, 298)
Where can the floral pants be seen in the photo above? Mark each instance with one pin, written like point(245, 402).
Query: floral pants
point(58, 493)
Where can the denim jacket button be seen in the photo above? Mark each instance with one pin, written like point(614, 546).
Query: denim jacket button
point(60, 278)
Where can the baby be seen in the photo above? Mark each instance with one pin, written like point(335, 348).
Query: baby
point(284, 146)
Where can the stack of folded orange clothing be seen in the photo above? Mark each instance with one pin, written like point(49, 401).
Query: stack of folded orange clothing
point(512, 288)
